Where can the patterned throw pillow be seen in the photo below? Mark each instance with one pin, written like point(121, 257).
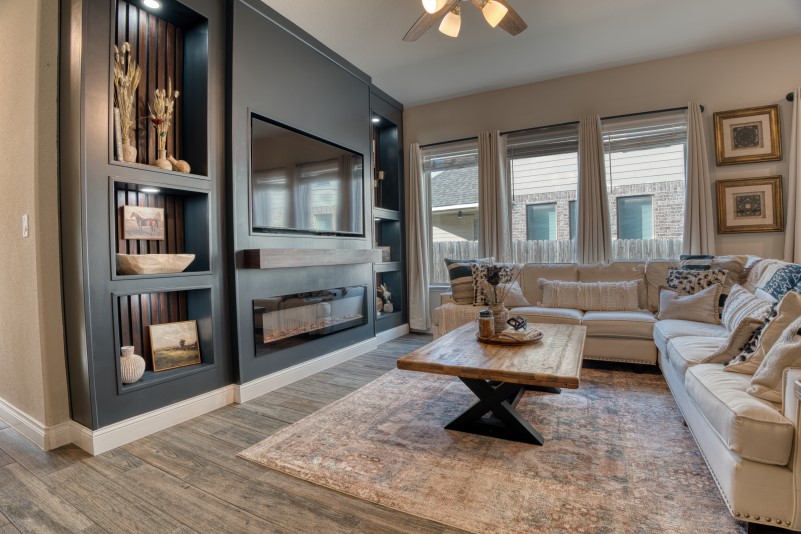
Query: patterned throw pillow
point(508, 272)
point(785, 312)
point(696, 262)
point(461, 276)
point(691, 281)
point(783, 280)
point(742, 305)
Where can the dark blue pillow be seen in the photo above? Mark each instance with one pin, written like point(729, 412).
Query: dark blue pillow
point(696, 262)
point(783, 280)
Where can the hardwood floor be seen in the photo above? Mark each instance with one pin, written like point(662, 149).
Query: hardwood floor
point(188, 478)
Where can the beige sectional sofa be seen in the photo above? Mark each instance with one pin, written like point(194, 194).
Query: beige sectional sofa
point(750, 445)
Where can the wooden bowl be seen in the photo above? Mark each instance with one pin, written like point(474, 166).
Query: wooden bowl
point(128, 264)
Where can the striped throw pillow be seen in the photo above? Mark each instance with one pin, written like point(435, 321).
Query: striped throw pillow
point(461, 276)
point(742, 305)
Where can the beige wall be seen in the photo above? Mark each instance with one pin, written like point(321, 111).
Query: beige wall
point(750, 75)
point(32, 364)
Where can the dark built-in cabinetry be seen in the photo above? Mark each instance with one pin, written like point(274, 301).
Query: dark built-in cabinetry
point(183, 44)
point(388, 205)
point(213, 53)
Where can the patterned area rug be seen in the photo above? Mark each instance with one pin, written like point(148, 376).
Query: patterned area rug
point(616, 458)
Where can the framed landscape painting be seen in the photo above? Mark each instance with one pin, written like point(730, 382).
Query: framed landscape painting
point(174, 345)
point(140, 222)
point(750, 205)
point(747, 135)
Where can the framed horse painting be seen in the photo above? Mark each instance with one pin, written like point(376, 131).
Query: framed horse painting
point(140, 222)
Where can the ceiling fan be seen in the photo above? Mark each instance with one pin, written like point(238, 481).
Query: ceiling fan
point(448, 14)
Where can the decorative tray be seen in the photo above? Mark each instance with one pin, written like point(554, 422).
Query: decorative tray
point(501, 339)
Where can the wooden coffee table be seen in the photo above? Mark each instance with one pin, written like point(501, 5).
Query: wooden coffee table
point(499, 375)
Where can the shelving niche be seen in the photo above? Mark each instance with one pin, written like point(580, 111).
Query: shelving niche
point(186, 228)
point(173, 45)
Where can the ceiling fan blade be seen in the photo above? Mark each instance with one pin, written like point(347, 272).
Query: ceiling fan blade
point(427, 20)
point(512, 22)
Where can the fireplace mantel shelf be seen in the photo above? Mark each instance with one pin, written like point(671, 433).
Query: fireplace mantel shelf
point(281, 258)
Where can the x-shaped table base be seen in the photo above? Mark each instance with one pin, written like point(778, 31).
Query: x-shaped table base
point(504, 422)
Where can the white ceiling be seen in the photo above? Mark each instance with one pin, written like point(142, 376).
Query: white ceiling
point(564, 37)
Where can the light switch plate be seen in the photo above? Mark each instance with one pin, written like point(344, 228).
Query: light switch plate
point(25, 230)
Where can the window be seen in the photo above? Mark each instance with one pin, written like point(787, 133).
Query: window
point(543, 167)
point(541, 222)
point(635, 217)
point(573, 216)
point(452, 173)
point(645, 174)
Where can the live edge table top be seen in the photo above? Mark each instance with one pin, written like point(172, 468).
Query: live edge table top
point(553, 362)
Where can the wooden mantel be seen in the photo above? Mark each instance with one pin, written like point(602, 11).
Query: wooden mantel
point(280, 258)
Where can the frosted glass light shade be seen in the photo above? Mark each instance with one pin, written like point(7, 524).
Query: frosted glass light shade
point(432, 6)
point(451, 24)
point(494, 12)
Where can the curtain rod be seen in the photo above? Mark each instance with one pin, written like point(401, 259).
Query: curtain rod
point(682, 108)
point(521, 130)
point(449, 142)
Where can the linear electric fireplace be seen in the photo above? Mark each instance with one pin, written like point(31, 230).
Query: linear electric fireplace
point(288, 320)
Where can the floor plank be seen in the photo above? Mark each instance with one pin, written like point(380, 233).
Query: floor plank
point(188, 478)
point(30, 505)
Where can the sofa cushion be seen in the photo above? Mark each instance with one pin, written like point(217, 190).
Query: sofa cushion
point(537, 314)
point(687, 351)
point(752, 428)
point(597, 296)
point(656, 273)
point(617, 271)
point(624, 324)
point(666, 330)
point(532, 272)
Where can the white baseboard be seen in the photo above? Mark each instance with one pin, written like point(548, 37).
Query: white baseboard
point(46, 438)
point(392, 333)
point(111, 436)
point(260, 386)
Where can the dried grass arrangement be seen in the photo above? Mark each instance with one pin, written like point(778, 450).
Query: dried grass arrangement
point(126, 81)
point(161, 110)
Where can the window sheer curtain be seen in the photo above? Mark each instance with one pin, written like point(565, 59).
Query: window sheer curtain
point(494, 211)
point(792, 233)
point(699, 217)
point(418, 241)
point(594, 233)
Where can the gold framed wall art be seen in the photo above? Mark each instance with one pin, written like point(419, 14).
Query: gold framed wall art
point(750, 205)
point(747, 135)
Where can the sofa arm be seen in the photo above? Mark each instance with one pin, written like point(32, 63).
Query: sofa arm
point(445, 298)
point(791, 395)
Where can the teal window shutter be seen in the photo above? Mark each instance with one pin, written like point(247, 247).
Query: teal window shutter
point(541, 222)
point(635, 218)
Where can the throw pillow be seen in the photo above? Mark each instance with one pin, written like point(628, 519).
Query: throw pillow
point(514, 295)
point(508, 272)
point(748, 361)
point(701, 307)
point(591, 296)
point(783, 280)
point(735, 341)
point(696, 262)
point(786, 352)
point(689, 281)
point(461, 277)
point(741, 304)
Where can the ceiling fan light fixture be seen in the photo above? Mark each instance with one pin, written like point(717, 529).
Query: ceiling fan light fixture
point(432, 6)
point(494, 12)
point(452, 22)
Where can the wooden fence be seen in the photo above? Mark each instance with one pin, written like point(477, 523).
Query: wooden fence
point(555, 251)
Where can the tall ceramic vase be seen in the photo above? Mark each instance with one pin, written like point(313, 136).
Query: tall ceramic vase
point(501, 315)
point(128, 150)
point(132, 366)
point(163, 162)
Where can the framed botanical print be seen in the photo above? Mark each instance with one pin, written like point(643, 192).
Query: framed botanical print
point(750, 205)
point(747, 135)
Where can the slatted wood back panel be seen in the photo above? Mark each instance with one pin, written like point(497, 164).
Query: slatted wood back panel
point(137, 312)
point(173, 242)
point(158, 48)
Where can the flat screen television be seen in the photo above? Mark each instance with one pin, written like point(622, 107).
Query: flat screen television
point(303, 184)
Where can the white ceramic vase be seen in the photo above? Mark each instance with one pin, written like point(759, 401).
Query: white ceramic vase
point(132, 366)
point(388, 308)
